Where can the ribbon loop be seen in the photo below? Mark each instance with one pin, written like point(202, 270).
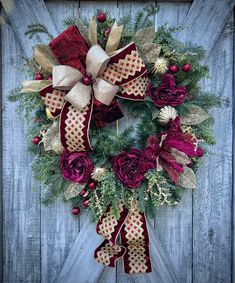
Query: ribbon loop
point(79, 96)
point(104, 91)
point(96, 61)
point(65, 77)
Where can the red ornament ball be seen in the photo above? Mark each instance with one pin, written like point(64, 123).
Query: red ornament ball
point(107, 32)
point(38, 76)
point(83, 193)
point(187, 68)
point(86, 80)
point(86, 203)
point(49, 78)
point(92, 185)
point(36, 140)
point(75, 210)
point(174, 68)
point(101, 17)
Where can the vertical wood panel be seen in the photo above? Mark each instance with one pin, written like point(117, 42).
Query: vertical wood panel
point(212, 201)
point(21, 205)
point(58, 227)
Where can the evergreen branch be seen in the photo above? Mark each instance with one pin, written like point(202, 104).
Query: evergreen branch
point(34, 29)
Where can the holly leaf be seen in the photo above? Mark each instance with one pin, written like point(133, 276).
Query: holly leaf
point(195, 115)
point(188, 179)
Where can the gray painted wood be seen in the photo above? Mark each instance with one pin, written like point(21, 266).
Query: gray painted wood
point(212, 201)
point(21, 205)
point(26, 12)
point(205, 21)
point(39, 240)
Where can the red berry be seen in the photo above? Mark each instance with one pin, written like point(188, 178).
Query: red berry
point(101, 17)
point(107, 32)
point(83, 193)
point(86, 203)
point(186, 68)
point(92, 185)
point(76, 210)
point(36, 140)
point(38, 76)
point(174, 68)
point(49, 78)
point(86, 80)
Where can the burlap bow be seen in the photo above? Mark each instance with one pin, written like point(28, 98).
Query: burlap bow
point(122, 73)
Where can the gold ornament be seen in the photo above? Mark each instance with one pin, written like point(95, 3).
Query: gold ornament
point(98, 173)
point(166, 114)
point(160, 66)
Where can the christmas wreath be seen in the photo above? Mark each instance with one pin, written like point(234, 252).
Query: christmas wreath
point(85, 81)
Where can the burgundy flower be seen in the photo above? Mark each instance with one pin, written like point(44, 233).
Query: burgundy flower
point(76, 166)
point(168, 93)
point(130, 167)
point(161, 149)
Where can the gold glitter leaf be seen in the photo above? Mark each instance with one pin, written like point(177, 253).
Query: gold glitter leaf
point(144, 35)
point(195, 115)
point(188, 179)
point(73, 190)
point(151, 51)
point(51, 139)
point(180, 157)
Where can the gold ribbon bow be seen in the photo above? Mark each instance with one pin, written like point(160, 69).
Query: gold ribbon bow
point(79, 95)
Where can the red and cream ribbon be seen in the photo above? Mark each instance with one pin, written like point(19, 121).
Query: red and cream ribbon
point(122, 73)
point(134, 247)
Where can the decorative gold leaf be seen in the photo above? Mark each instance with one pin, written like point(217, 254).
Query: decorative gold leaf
point(44, 57)
point(195, 115)
point(180, 157)
point(51, 139)
point(151, 51)
point(144, 35)
point(73, 190)
point(188, 179)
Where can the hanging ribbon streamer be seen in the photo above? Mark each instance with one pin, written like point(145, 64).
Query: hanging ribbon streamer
point(134, 248)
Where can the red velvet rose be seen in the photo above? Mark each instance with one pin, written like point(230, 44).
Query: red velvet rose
point(76, 166)
point(130, 167)
point(167, 94)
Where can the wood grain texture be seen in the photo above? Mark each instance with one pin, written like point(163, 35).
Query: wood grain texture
point(212, 201)
point(205, 22)
point(187, 244)
point(21, 204)
point(26, 12)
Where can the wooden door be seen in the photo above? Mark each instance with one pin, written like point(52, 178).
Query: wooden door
point(189, 243)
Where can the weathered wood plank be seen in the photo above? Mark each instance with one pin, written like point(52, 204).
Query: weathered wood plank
point(174, 225)
point(205, 22)
point(21, 205)
point(58, 227)
point(212, 202)
point(80, 265)
point(25, 12)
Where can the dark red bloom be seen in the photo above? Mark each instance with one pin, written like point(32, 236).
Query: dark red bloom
point(130, 167)
point(163, 148)
point(76, 166)
point(168, 93)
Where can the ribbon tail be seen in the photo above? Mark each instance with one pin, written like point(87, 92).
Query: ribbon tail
point(134, 236)
point(74, 127)
point(109, 227)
